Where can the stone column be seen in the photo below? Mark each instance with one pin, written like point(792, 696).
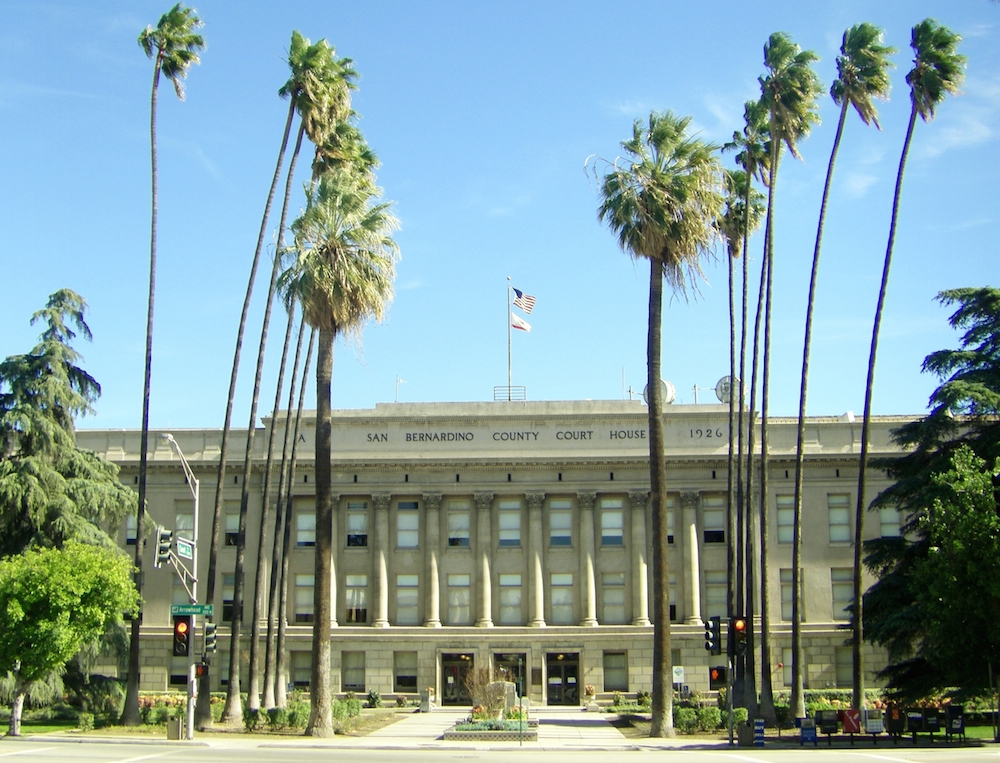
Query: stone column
point(536, 580)
point(484, 544)
point(692, 582)
point(587, 552)
point(640, 572)
point(432, 504)
point(381, 503)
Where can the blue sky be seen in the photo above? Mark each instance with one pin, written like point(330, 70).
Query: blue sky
point(483, 115)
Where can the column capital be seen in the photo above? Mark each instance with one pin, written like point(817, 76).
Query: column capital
point(381, 501)
point(638, 498)
point(586, 500)
point(534, 500)
point(689, 500)
point(432, 500)
point(484, 501)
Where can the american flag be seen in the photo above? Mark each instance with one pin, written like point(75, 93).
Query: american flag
point(525, 301)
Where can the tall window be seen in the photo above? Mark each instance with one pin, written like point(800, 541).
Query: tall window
point(673, 596)
point(844, 660)
point(613, 598)
point(458, 600)
point(786, 518)
point(228, 592)
point(715, 593)
point(352, 671)
point(713, 518)
point(786, 666)
point(404, 671)
point(560, 523)
point(839, 507)
point(232, 527)
point(356, 594)
point(561, 591)
point(670, 520)
point(301, 669)
point(842, 583)
point(889, 522)
point(184, 524)
point(510, 523)
point(178, 593)
point(615, 671)
point(304, 586)
point(510, 600)
point(407, 524)
point(305, 529)
point(786, 594)
point(407, 600)
point(458, 524)
point(131, 529)
point(612, 522)
point(357, 524)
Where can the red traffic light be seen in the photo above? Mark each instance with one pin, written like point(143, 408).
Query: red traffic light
point(182, 632)
point(739, 624)
point(182, 627)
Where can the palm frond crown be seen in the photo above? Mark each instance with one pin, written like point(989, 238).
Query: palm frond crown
point(175, 43)
point(790, 90)
point(938, 70)
point(863, 71)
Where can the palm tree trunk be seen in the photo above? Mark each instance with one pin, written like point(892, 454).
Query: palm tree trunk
point(260, 582)
point(233, 712)
point(731, 507)
point(270, 660)
point(130, 713)
point(203, 709)
point(662, 700)
point(857, 629)
point(281, 680)
point(321, 718)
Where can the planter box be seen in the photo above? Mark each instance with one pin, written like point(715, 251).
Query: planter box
point(530, 734)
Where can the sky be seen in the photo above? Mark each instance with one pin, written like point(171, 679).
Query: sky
point(483, 115)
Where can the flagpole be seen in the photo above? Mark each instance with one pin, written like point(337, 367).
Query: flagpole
point(509, 309)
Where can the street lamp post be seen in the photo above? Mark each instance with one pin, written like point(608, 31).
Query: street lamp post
point(195, 488)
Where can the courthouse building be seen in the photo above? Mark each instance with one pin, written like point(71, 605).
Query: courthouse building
point(516, 534)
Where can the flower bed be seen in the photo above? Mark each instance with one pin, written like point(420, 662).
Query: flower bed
point(493, 731)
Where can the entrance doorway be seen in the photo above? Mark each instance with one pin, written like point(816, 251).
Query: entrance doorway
point(454, 669)
point(513, 664)
point(563, 671)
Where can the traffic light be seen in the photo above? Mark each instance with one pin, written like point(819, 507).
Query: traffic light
point(210, 638)
point(182, 635)
point(738, 630)
point(164, 542)
point(201, 670)
point(718, 678)
point(713, 635)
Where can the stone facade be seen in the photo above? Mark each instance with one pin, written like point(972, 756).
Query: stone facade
point(514, 532)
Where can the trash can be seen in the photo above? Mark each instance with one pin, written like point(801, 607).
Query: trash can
point(175, 728)
point(744, 734)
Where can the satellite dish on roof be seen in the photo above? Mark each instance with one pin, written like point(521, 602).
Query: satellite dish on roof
point(724, 387)
point(667, 392)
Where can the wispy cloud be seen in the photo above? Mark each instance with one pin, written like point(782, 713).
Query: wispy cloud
point(857, 183)
point(634, 109)
point(969, 121)
point(411, 285)
point(12, 91)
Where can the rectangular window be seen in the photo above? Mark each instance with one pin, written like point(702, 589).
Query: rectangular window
point(404, 672)
point(352, 671)
point(786, 518)
point(407, 525)
point(131, 530)
point(509, 516)
point(458, 524)
point(713, 518)
point(178, 593)
point(357, 524)
point(716, 593)
point(615, 671)
point(839, 507)
point(223, 670)
point(305, 529)
point(407, 600)
point(304, 586)
point(510, 600)
point(612, 522)
point(786, 594)
point(458, 600)
point(844, 657)
point(842, 583)
point(613, 598)
point(232, 528)
point(889, 523)
point(178, 671)
point(786, 666)
point(228, 592)
point(673, 598)
point(561, 586)
point(184, 525)
point(670, 520)
point(560, 523)
point(301, 669)
point(356, 595)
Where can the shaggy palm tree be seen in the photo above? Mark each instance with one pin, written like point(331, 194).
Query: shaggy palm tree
point(938, 69)
point(174, 45)
point(662, 201)
point(862, 75)
point(342, 276)
point(789, 91)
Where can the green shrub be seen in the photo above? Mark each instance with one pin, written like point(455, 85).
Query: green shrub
point(158, 715)
point(374, 698)
point(618, 699)
point(298, 714)
point(489, 725)
point(643, 699)
point(740, 715)
point(685, 719)
point(277, 718)
point(402, 701)
point(253, 719)
point(346, 708)
point(709, 718)
point(85, 721)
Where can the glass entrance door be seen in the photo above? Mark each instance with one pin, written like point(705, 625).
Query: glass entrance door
point(454, 669)
point(513, 665)
point(563, 670)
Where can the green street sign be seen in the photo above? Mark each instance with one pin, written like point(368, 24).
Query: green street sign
point(191, 609)
point(185, 548)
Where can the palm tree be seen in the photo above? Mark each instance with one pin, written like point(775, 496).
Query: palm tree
point(662, 202)
point(938, 69)
point(174, 45)
point(789, 91)
point(342, 276)
point(862, 75)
